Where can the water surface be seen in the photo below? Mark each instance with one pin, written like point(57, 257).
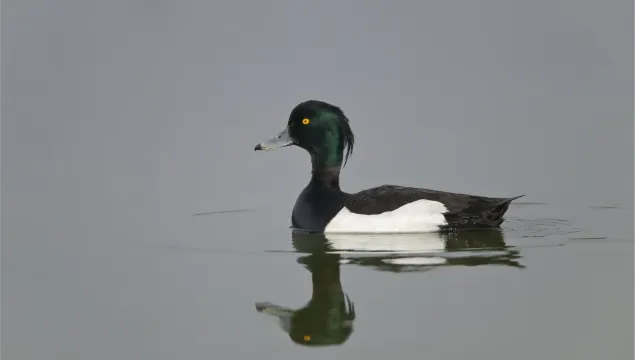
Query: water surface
point(542, 286)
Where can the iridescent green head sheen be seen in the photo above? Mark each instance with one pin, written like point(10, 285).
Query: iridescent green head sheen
point(320, 128)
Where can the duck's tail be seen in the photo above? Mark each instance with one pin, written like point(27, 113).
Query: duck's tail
point(487, 214)
point(495, 213)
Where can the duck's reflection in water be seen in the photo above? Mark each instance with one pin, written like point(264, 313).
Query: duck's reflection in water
point(328, 317)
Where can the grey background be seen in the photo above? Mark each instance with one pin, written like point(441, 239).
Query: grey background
point(120, 119)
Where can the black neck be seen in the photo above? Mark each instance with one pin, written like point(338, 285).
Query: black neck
point(328, 177)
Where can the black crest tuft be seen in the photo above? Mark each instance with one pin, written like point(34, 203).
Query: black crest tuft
point(347, 136)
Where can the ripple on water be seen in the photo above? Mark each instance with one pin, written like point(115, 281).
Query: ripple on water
point(539, 227)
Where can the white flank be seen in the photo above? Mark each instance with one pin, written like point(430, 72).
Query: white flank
point(416, 217)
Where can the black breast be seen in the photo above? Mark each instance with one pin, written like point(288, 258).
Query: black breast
point(315, 207)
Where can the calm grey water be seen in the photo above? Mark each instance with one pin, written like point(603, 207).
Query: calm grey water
point(121, 120)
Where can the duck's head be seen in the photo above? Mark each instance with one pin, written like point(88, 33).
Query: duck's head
point(321, 129)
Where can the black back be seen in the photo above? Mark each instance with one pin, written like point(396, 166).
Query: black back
point(463, 210)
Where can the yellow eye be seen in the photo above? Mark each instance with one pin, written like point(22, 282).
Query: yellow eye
point(306, 121)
